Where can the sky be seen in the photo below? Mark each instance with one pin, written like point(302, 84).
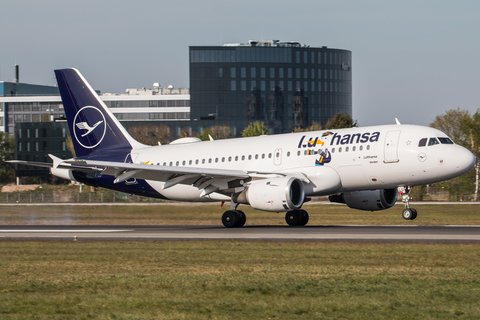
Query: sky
point(411, 60)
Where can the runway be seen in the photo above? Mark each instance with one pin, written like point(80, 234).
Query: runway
point(275, 233)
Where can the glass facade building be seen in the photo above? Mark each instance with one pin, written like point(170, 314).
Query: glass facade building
point(286, 85)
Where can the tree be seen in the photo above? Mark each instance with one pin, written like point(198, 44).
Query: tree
point(7, 152)
point(254, 129)
point(204, 136)
point(184, 133)
point(341, 120)
point(470, 127)
point(459, 126)
point(69, 145)
point(150, 134)
point(221, 132)
point(314, 127)
point(449, 123)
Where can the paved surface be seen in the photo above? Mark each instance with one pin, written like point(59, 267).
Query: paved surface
point(369, 233)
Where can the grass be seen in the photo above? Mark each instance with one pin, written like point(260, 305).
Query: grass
point(238, 280)
point(210, 214)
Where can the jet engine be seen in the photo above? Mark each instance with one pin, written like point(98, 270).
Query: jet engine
point(370, 200)
point(277, 194)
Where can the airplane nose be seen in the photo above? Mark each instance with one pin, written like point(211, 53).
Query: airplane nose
point(465, 160)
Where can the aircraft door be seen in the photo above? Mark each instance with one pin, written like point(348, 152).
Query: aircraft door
point(391, 146)
point(277, 157)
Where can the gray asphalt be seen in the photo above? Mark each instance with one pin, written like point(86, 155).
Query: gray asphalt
point(143, 233)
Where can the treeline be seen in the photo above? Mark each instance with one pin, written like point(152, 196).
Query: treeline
point(464, 129)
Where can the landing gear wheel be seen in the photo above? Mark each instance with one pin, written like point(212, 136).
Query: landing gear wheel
point(409, 214)
point(414, 212)
point(242, 218)
point(304, 217)
point(230, 219)
point(296, 218)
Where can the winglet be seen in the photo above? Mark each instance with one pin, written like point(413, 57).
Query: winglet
point(56, 160)
point(398, 122)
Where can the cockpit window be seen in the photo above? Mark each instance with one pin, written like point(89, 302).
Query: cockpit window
point(445, 141)
point(433, 141)
point(422, 142)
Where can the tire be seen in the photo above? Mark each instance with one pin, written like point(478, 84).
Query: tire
point(407, 214)
point(293, 218)
point(242, 218)
point(303, 217)
point(230, 219)
point(414, 214)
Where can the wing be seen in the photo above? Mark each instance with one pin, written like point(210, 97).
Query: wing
point(208, 180)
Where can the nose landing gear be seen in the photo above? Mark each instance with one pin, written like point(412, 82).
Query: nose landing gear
point(407, 213)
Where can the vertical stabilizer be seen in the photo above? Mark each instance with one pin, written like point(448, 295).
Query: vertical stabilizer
point(93, 128)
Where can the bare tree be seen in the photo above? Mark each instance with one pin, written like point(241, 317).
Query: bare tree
point(150, 134)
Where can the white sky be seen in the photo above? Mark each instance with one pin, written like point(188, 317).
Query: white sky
point(411, 59)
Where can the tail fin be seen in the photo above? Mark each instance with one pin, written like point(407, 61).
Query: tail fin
point(92, 126)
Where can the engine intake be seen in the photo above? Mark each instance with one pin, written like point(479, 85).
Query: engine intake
point(278, 194)
point(370, 200)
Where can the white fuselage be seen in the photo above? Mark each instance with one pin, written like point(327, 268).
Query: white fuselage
point(333, 161)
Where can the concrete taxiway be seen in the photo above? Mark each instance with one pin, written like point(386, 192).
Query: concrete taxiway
point(143, 233)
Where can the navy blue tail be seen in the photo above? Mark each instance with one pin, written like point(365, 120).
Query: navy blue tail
point(93, 127)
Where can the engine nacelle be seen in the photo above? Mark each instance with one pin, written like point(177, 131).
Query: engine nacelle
point(278, 194)
point(370, 200)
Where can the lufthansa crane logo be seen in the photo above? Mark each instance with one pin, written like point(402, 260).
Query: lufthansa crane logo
point(89, 127)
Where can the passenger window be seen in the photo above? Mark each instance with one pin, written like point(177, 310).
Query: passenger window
point(433, 141)
point(445, 141)
point(243, 158)
point(353, 148)
point(249, 157)
point(305, 152)
point(183, 163)
point(203, 161)
point(298, 153)
point(229, 159)
point(210, 160)
point(177, 163)
point(236, 158)
point(269, 156)
point(340, 149)
point(368, 147)
point(346, 149)
point(216, 160)
point(361, 148)
point(171, 163)
point(288, 154)
point(263, 156)
point(422, 142)
point(256, 156)
point(333, 150)
point(223, 159)
point(196, 161)
point(164, 163)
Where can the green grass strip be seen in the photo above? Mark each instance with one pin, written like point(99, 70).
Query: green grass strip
point(238, 280)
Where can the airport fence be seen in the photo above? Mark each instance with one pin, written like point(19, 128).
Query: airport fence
point(72, 197)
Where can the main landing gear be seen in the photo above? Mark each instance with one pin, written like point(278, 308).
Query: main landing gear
point(234, 218)
point(297, 218)
point(407, 213)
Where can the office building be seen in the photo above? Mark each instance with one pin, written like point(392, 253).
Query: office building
point(287, 85)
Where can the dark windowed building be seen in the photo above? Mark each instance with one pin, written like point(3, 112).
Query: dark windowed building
point(286, 85)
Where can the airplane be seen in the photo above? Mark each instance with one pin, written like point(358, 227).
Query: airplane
point(364, 167)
